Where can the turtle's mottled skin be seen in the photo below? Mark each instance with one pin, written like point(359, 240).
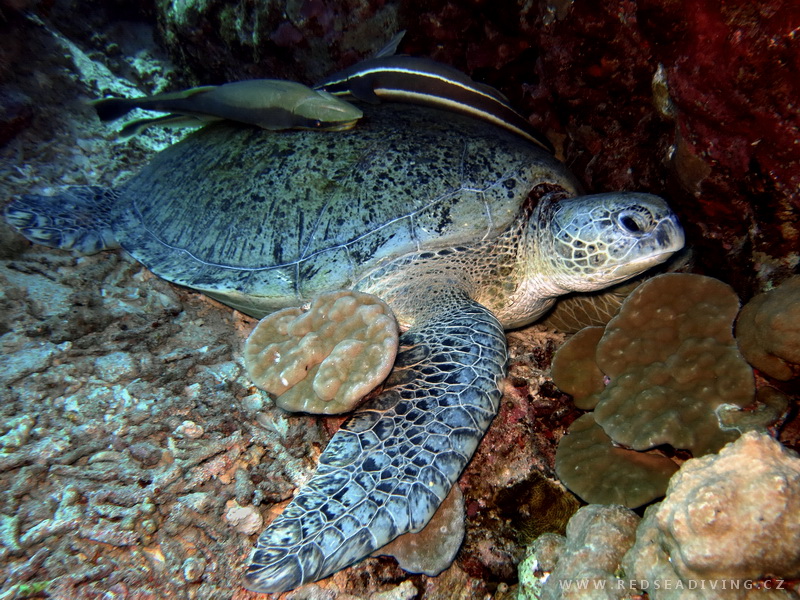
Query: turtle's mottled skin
point(462, 228)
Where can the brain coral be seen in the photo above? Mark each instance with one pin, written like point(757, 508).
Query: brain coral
point(732, 516)
point(306, 358)
point(768, 330)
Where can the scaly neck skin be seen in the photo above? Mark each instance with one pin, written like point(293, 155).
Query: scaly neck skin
point(506, 275)
point(529, 289)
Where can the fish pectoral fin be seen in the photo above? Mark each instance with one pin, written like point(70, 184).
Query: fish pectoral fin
point(111, 109)
point(361, 89)
point(172, 120)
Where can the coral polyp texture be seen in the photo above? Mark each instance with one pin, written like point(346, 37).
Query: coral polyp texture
point(768, 330)
point(589, 464)
point(596, 541)
point(733, 516)
point(728, 529)
point(672, 366)
point(672, 361)
point(306, 357)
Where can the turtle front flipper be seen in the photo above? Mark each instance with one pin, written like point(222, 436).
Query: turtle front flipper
point(77, 218)
point(391, 464)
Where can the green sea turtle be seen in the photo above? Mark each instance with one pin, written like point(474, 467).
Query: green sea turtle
point(462, 228)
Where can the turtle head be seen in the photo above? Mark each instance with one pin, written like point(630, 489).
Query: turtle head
point(590, 242)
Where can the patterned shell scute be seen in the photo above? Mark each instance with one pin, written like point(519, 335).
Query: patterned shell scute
point(288, 215)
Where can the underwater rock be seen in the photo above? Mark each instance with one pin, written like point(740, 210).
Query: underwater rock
point(590, 555)
point(734, 516)
point(768, 330)
point(299, 40)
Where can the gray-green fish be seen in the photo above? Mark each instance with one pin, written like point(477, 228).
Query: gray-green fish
point(268, 103)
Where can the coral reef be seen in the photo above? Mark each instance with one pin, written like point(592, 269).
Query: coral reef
point(222, 41)
point(306, 357)
point(672, 365)
point(592, 466)
point(768, 330)
point(728, 529)
point(596, 540)
point(665, 76)
point(102, 362)
point(728, 517)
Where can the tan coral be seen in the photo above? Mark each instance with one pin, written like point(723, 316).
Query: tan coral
point(732, 517)
point(597, 539)
point(768, 330)
point(590, 465)
point(673, 362)
point(575, 369)
point(746, 498)
point(306, 357)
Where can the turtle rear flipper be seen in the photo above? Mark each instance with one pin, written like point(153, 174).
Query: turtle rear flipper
point(389, 467)
point(77, 218)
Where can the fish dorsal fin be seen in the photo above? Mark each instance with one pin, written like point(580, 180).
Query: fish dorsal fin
point(390, 49)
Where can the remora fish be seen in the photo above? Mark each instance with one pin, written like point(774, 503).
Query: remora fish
point(424, 81)
point(268, 103)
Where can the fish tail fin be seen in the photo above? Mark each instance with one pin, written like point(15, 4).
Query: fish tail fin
point(77, 218)
point(111, 109)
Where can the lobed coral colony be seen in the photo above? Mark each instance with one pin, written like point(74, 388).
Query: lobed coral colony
point(676, 378)
point(306, 357)
point(728, 529)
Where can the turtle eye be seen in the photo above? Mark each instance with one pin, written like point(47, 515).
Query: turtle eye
point(634, 223)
